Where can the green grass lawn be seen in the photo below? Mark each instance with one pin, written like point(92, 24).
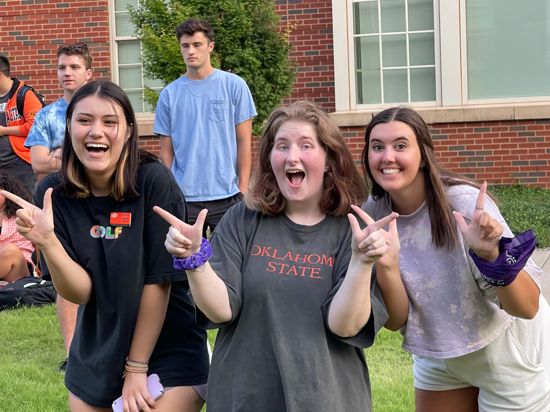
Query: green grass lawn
point(32, 348)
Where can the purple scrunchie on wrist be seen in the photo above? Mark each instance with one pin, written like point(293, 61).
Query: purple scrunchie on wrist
point(194, 261)
point(514, 253)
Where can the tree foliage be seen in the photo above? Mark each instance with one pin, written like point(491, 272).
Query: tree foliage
point(248, 42)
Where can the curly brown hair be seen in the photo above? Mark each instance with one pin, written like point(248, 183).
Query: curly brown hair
point(8, 183)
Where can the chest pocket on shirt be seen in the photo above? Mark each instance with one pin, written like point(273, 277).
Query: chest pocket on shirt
point(217, 110)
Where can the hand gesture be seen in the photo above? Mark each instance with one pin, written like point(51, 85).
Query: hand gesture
point(33, 223)
point(182, 239)
point(372, 242)
point(482, 233)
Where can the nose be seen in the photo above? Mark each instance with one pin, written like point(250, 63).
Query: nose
point(96, 129)
point(292, 154)
point(388, 155)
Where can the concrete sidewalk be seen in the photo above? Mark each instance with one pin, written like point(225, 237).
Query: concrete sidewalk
point(542, 258)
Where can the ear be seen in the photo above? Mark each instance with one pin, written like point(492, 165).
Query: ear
point(211, 46)
point(129, 131)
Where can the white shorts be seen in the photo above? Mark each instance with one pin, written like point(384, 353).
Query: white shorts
point(512, 372)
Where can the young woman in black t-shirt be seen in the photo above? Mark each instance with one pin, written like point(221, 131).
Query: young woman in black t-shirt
point(103, 246)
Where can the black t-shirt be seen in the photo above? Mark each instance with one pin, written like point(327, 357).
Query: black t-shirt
point(120, 260)
point(277, 354)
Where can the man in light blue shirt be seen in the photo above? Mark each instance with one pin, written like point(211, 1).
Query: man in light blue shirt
point(204, 120)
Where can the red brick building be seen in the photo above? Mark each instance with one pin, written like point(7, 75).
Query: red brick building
point(489, 112)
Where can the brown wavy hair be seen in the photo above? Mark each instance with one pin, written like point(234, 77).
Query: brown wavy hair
point(444, 228)
point(343, 184)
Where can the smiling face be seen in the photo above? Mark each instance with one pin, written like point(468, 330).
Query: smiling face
point(298, 161)
point(98, 131)
point(72, 72)
point(394, 160)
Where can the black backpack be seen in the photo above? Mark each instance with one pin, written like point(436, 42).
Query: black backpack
point(21, 97)
point(20, 102)
point(28, 291)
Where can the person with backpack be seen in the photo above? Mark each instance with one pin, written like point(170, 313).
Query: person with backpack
point(15, 123)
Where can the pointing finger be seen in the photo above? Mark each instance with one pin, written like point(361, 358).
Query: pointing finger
point(480, 201)
point(362, 214)
point(379, 224)
point(462, 225)
point(47, 206)
point(17, 200)
point(201, 217)
point(355, 228)
point(167, 216)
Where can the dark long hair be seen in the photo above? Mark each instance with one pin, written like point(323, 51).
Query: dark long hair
point(8, 182)
point(343, 185)
point(444, 229)
point(123, 183)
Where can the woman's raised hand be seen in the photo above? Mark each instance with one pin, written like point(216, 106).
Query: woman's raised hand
point(33, 223)
point(482, 233)
point(182, 239)
point(373, 242)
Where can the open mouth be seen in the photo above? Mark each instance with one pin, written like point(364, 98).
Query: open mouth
point(96, 147)
point(295, 176)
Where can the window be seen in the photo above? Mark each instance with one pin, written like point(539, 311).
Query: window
point(440, 53)
point(394, 51)
point(127, 67)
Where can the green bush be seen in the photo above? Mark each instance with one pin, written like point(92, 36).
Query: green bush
point(248, 42)
point(525, 208)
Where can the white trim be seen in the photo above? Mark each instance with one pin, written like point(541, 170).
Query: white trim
point(342, 84)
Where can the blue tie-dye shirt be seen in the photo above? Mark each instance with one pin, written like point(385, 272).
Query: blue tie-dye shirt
point(48, 128)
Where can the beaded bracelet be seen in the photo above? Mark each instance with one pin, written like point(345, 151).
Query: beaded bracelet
point(196, 260)
point(512, 258)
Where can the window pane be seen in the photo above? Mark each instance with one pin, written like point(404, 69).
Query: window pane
point(394, 50)
point(504, 38)
point(423, 85)
point(421, 15)
point(130, 77)
point(365, 17)
point(129, 52)
point(122, 5)
point(369, 89)
point(395, 86)
point(124, 27)
point(152, 83)
point(421, 49)
point(367, 53)
point(136, 98)
point(392, 15)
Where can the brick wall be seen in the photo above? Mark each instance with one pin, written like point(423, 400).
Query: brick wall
point(501, 152)
point(32, 30)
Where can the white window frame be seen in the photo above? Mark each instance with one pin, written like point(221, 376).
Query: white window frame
point(451, 70)
point(114, 51)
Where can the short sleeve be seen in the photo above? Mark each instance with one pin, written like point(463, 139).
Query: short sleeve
point(161, 125)
point(244, 103)
point(38, 135)
point(230, 242)
point(160, 189)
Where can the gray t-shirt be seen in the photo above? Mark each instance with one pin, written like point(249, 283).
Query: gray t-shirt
point(452, 310)
point(277, 353)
